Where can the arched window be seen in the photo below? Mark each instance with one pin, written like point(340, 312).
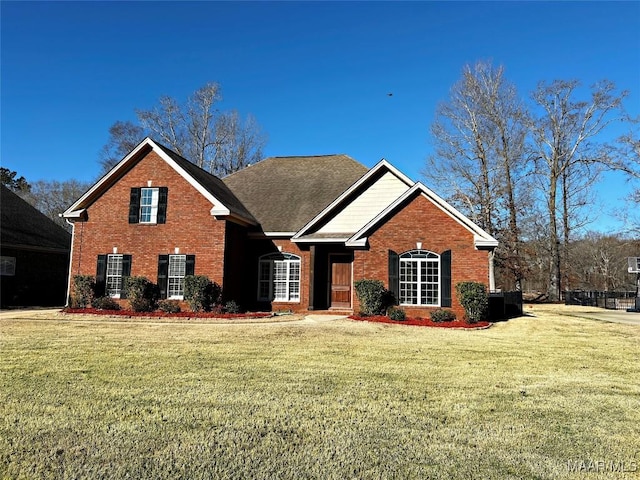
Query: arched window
point(420, 278)
point(279, 277)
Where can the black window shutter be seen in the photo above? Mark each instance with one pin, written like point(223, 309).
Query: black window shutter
point(190, 266)
point(445, 278)
point(134, 205)
point(126, 272)
point(163, 273)
point(394, 275)
point(101, 275)
point(162, 204)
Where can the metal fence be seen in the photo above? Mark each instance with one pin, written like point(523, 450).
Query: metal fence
point(609, 300)
point(503, 305)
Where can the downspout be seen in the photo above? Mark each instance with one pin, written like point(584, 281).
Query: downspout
point(73, 230)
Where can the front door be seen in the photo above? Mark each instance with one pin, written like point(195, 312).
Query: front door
point(340, 275)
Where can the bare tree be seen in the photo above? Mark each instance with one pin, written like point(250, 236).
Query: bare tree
point(479, 138)
point(123, 137)
point(565, 143)
point(54, 197)
point(219, 142)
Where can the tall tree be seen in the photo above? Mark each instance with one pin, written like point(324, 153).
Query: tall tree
point(219, 142)
point(479, 138)
point(9, 180)
point(54, 197)
point(565, 141)
point(123, 137)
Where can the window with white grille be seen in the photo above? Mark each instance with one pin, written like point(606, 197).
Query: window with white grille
point(420, 278)
point(176, 274)
point(279, 277)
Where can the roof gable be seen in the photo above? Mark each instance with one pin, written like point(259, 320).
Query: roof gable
point(23, 225)
point(482, 240)
point(357, 205)
point(224, 202)
point(283, 193)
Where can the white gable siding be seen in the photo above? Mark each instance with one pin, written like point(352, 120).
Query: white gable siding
point(367, 205)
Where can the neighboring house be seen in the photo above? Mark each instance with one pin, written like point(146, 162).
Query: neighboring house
point(34, 255)
point(288, 233)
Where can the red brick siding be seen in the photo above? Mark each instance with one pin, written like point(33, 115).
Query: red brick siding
point(189, 226)
point(421, 221)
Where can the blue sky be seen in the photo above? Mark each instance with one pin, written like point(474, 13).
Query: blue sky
point(315, 75)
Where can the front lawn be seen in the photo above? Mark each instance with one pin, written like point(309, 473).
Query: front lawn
point(537, 397)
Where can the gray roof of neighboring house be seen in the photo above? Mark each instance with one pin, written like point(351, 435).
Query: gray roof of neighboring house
point(22, 225)
point(211, 183)
point(285, 193)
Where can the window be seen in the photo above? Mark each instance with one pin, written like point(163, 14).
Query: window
point(111, 271)
point(114, 275)
point(148, 205)
point(171, 272)
point(7, 266)
point(419, 278)
point(176, 274)
point(279, 278)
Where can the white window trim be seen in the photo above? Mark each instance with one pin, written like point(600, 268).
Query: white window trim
point(288, 259)
point(431, 257)
point(169, 277)
point(155, 197)
point(107, 276)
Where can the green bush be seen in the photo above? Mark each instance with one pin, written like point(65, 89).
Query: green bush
point(473, 297)
point(373, 297)
point(83, 291)
point(142, 294)
point(397, 314)
point(232, 307)
point(169, 306)
point(105, 303)
point(442, 315)
point(201, 293)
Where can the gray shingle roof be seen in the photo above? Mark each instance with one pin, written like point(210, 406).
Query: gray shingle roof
point(285, 193)
point(23, 225)
point(211, 183)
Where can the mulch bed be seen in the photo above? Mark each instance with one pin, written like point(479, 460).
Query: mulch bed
point(422, 322)
point(159, 314)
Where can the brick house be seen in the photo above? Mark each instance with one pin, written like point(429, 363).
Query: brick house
point(288, 233)
point(34, 255)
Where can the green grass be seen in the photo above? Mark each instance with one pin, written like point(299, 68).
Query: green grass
point(542, 397)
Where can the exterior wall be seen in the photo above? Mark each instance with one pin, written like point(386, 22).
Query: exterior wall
point(259, 247)
point(40, 278)
point(421, 221)
point(189, 226)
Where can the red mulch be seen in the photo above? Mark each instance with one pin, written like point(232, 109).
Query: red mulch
point(159, 314)
point(422, 322)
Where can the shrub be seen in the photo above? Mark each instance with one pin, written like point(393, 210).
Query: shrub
point(169, 306)
point(442, 315)
point(201, 293)
point(142, 294)
point(397, 314)
point(105, 303)
point(232, 307)
point(83, 290)
point(473, 297)
point(374, 298)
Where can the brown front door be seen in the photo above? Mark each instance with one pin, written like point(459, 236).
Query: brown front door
point(340, 271)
